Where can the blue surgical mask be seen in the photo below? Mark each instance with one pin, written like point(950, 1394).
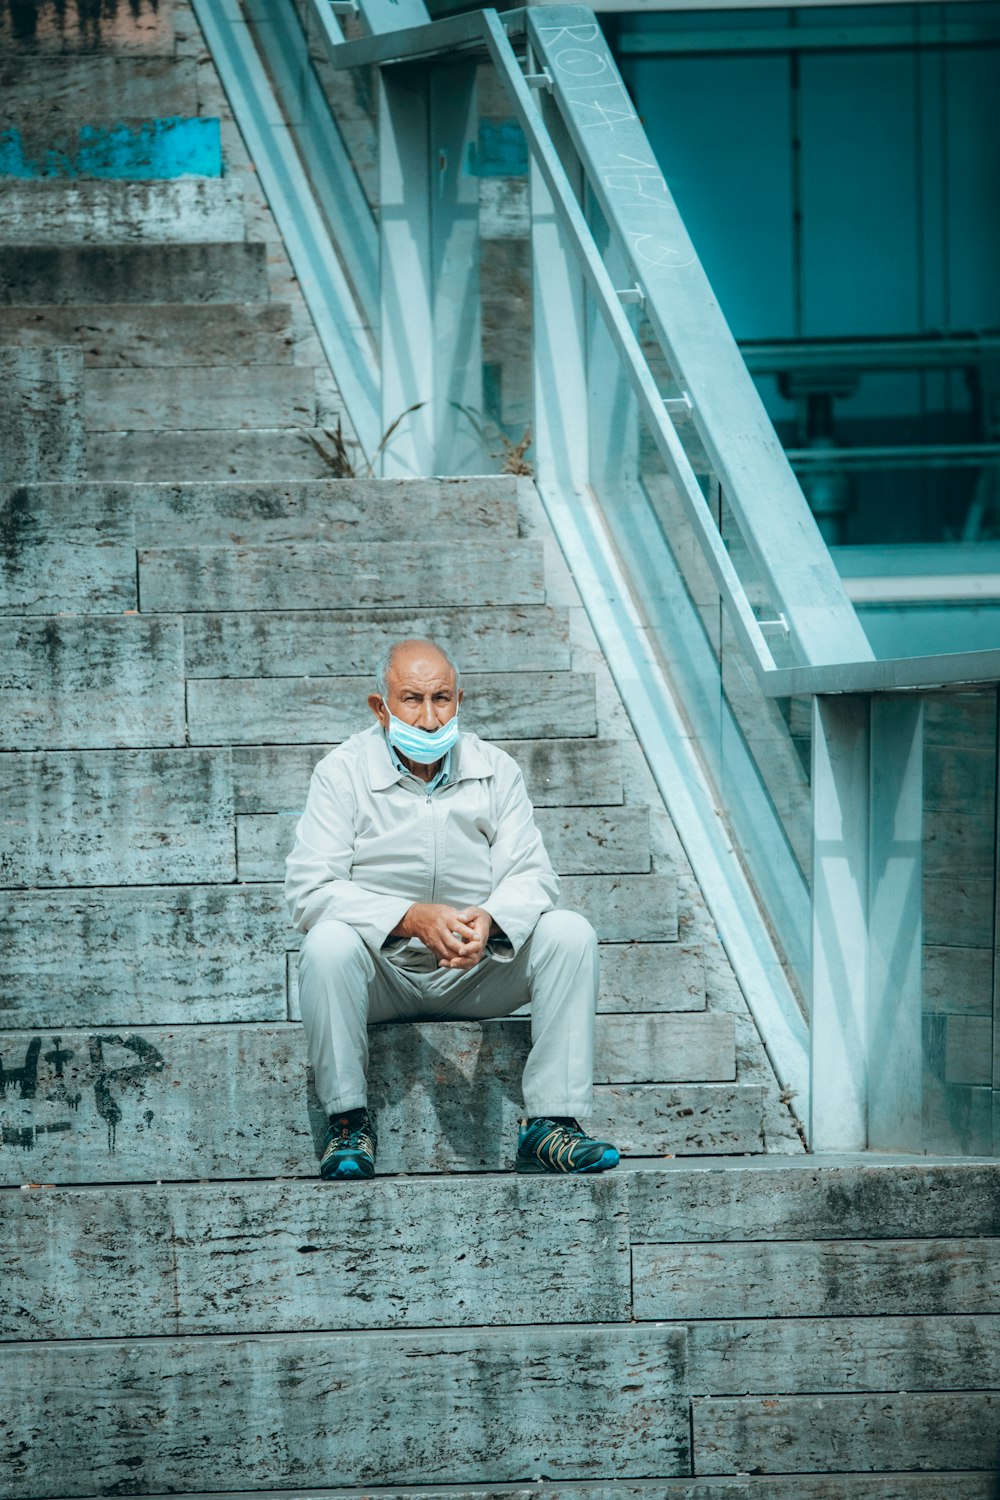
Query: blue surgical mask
point(417, 744)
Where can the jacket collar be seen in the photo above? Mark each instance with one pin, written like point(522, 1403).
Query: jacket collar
point(469, 762)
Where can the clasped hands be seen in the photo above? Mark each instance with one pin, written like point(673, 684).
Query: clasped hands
point(458, 938)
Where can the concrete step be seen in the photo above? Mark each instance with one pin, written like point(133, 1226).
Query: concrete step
point(70, 148)
point(117, 816)
point(578, 840)
point(113, 681)
point(136, 336)
point(189, 210)
point(136, 86)
point(78, 558)
point(269, 710)
point(258, 1258)
point(242, 512)
point(201, 1102)
point(203, 398)
point(144, 28)
point(138, 815)
point(178, 456)
point(882, 1486)
point(266, 1257)
point(42, 432)
point(557, 773)
point(299, 643)
point(226, 711)
point(368, 510)
point(486, 1406)
point(176, 955)
point(71, 548)
point(76, 683)
point(348, 575)
point(180, 953)
point(85, 275)
point(427, 1276)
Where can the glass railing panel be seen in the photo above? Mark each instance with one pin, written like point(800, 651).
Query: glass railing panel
point(754, 749)
point(959, 924)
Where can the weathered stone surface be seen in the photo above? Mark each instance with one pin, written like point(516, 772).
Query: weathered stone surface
point(817, 1279)
point(958, 980)
point(131, 336)
point(718, 1487)
point(652, 976)
point(557, 772)
point(183, 211)
point(185, 457)
point(345, 575)
point(625, 908)
point(33, 275)
point(483, 1405)
point(784, 1434)
point(144, 27)
point(504, 213)
point(265, 710)
point(969, 1050)
point(958, 909)
point(112, 85)
point(817, 1199)
point(142, 955)
point(578, 840)
point(958, 842)
point(694, 1119)
point(582, 841)
point(41, 414)
point(528, 639)
point(114, 817)
point(89, 683)
point(349, 510)
point(657, 1047)
point(289, 1257)
point(78, 558)
point(199, 397)
point(757, 1356)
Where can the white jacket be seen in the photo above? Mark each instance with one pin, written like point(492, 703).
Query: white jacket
point(371, 842)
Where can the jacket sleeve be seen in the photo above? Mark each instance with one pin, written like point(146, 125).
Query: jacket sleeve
point(318, 882)
point(524, 882)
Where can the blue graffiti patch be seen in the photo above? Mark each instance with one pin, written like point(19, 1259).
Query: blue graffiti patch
point(501, 150)
point(138, 150)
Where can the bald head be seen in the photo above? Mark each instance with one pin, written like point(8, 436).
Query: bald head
point(403, 657)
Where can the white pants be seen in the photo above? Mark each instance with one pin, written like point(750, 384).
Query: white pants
point(343, 987)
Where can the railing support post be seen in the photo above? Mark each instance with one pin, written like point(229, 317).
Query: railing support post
point(895, 925)
point(838, 1028)
point(865, 1026)
point(429, 249)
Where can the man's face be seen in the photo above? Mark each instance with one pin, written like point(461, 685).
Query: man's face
point(420, 690)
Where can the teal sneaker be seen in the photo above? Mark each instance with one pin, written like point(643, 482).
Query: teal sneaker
point(349, 1148)
point(559, 1145)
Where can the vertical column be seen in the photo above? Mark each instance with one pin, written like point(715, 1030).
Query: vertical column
point(895, 926)
point(838, 1029)
point(431, 347)
point(558, 334)
point(995, 988)
point(458, 338)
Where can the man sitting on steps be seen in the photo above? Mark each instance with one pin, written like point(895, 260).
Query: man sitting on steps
point(424, 891)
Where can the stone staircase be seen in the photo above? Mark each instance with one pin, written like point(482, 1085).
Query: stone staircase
point(189, 615)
